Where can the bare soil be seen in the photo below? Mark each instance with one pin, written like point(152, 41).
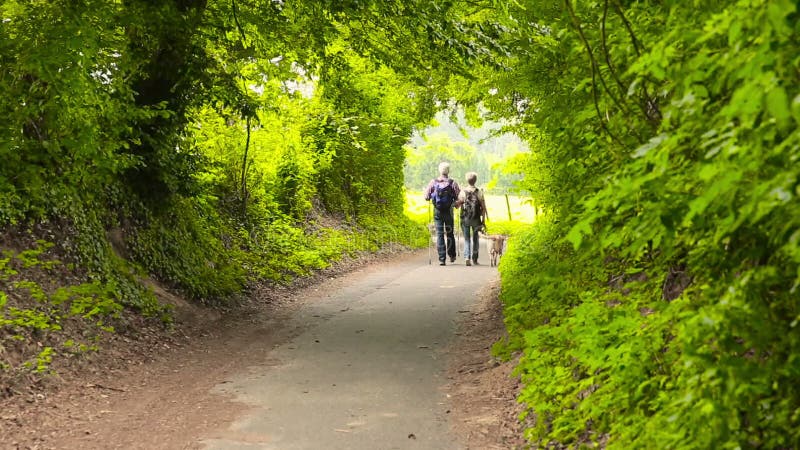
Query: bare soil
point(115, 398)
point(482, 388)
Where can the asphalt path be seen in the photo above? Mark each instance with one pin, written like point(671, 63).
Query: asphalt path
point(366, 371)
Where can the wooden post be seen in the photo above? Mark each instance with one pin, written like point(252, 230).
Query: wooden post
point(508, 206)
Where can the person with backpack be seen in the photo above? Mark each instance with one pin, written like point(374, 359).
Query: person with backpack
point(473, 217)
point(443, 192)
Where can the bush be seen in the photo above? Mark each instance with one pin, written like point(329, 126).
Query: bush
point(658, 308)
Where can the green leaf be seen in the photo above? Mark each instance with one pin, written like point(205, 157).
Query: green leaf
point(650, 145)
point(576, 233)
point(796, 109)
point(778, 105)
point(777, 12)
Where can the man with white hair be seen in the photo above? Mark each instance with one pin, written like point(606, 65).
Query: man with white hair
point(443, 192)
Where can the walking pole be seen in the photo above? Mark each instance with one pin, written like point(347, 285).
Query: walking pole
point(430, 223)
point(457, 231)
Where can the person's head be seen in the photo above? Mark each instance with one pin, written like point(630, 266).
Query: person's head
point(472, 177)
point(444, 168)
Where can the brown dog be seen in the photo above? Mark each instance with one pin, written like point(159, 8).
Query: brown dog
point(496, 247)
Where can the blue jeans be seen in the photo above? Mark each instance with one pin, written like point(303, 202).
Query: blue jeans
point(471, 242)
point(444, 228)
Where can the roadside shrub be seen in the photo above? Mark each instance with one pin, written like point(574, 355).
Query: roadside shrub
point(658, 309)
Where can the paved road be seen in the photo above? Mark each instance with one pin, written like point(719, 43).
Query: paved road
point(367, 370)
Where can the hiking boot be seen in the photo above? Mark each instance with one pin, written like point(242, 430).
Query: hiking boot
point(468, 263)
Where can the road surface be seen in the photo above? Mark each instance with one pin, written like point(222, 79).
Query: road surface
point(355, 362)
point(367, 370)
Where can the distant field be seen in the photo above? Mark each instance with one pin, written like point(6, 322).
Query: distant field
point(521, 211)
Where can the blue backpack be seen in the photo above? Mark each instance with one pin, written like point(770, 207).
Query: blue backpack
point(443, 194)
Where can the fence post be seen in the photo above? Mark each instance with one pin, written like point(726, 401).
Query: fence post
point(508, 206)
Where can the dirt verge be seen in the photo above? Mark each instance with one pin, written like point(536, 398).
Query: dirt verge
point(482, 389)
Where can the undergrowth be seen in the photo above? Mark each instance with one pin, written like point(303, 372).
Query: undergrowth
point(658, 306)
point(35, 309)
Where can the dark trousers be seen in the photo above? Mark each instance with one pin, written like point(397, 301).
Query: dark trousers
point(445, 236)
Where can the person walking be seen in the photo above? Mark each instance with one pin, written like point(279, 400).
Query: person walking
point(473, 217)
point(443, 192)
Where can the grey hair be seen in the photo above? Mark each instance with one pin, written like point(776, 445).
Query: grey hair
point(444, 168)
point(472, 177)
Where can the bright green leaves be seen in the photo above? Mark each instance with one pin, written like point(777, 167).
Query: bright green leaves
point(749, 100)
point(65, 104)
point(111, 87)
point(719, 181)
point(778, 16)
point(778, 105)
point(675, 153)
point(795, 108)
point(576, 233)
point(651, 144)
point(46, 315)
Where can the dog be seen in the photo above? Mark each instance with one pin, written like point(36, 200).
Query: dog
point(496, 247)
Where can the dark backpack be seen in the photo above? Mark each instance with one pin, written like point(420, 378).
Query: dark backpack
point(443, 194)
point(471, 209)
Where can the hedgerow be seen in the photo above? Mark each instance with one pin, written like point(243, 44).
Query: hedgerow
point(657, 307)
